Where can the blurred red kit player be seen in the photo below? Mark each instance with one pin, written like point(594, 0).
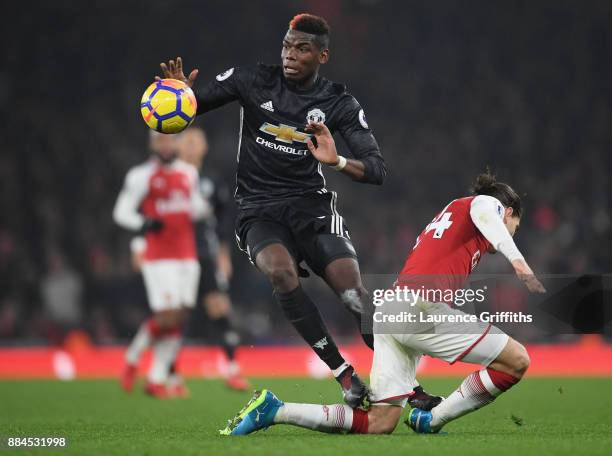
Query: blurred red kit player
point(160, 199)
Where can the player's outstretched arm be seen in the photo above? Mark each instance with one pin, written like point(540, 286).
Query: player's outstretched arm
point(326, 153)
point(228, 86)
point(174, 70)
point(527, 276)
point(486, 213)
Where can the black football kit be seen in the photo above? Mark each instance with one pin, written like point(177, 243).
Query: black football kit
point(281, 192)
point(280, 188)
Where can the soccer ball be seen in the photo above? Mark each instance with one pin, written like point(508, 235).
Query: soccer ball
point(168, 106)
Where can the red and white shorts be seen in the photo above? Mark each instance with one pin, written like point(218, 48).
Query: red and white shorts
point(171, 284)
point(396, 356)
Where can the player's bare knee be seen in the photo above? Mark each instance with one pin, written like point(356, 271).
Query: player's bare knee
point(174, 318)
point(382, 419)
point(283, 277)
point(385, 427)
point(521, 361)
point(514, 360)
point(164, 319)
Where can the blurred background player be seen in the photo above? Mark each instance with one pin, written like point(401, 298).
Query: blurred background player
point(445, 254)
point(214, 253)
point(160, 199)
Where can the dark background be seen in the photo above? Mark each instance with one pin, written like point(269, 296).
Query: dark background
point(448, 87)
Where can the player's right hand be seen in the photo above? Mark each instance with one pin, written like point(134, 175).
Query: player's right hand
point(174, 70)
point(526, 275)
point(325, 148)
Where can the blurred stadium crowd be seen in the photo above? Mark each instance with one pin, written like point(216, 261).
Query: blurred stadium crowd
point(524, 87)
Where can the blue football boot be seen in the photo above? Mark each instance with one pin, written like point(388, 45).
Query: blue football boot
point(258, 414)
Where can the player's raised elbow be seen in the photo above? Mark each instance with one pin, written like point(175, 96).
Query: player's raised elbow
point(375, 171)
point(379, 178)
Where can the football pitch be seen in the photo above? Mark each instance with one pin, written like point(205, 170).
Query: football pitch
point(539, 416)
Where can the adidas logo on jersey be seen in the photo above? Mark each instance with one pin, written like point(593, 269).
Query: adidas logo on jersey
point(267, 106)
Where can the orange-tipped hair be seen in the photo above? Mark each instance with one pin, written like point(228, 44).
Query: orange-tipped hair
point(309, 23)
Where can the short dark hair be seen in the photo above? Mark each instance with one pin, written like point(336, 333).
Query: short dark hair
point(487, 184)
point(314, 25)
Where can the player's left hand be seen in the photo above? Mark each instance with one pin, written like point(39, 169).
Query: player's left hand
point(527, 276)
point(532, 283)
point(137, 260)
point(174, 70)
point(325, 150)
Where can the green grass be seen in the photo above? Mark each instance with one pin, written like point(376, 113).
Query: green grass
point(559, 416)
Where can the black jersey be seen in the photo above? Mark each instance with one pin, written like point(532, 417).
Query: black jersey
point(211, 231)
point(274, 163)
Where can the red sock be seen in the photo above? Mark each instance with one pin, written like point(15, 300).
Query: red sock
point(360, 422)
point(501, 380)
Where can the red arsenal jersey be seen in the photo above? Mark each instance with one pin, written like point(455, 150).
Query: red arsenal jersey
point(167, 192)
point(446, 252)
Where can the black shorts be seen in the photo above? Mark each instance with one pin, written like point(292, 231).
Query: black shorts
point(211, 279)
point(309, 227)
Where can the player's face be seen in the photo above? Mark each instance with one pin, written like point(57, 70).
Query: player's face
point(511, 221)
point(193, 147)
point(164, 146)
point(301, 57)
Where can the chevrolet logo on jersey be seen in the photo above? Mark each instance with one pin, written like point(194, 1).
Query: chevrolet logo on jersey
point(285, 133)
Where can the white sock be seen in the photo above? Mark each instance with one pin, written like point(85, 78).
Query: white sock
point(476, 391)
point(139, 344)
point(324, 418)
point(165, 351)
